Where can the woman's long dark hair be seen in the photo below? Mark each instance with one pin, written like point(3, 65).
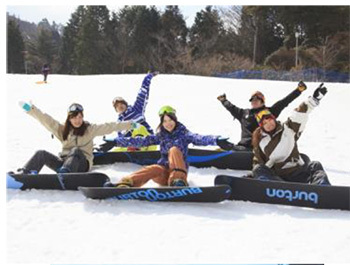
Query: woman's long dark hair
point(68, 126)
point(256, 137)
point(171, 116)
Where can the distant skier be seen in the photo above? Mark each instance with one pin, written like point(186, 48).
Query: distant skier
point(247, 116)
point(135, 112)
point(276, 154)
point(173, 138)
point(45, 71)
point(76, 136)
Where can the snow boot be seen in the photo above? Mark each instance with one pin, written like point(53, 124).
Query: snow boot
point(125, 183)
point(178, 183)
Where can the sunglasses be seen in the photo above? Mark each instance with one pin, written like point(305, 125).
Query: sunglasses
point(255, 98)
point(75, 107)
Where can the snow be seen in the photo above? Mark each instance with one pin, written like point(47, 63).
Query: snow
point(64, 227)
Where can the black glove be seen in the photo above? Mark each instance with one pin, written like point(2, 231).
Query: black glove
point(222, 98)
point(105, 147)
point(320, 92)
point(224, 144)
point(301, 86)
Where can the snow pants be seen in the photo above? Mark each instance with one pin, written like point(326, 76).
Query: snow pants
point(160, 174)
point(75, 161)
point(312, 173)
point(45, 76)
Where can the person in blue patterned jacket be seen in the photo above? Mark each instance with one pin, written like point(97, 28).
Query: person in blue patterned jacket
point(173, 138)
point(133, 112)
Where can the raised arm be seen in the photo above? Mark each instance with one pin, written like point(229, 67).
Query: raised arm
point(142, 96)
point(235, 111)
point(299, 117)
point(46, 120)
point(280, 105)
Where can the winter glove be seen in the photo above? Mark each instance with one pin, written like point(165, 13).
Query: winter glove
point(153, 71)
point(24, 105)
point(301, 86)
point(222, 97)
point(135, 125)
point(224, 144)
point(105, 147)
point(320, 92)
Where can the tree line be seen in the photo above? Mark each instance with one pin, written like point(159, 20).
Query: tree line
point(221, 39)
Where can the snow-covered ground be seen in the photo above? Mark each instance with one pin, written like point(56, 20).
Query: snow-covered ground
point(64, 227)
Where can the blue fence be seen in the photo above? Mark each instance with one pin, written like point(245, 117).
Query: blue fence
point(311, 75)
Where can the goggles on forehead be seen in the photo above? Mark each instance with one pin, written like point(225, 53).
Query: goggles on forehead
point(75, 107)
point(257, 95)
point(261, 115)
point(166, 109)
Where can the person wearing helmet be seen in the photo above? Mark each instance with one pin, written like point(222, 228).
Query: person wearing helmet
point(247, 116)
point(76, 136)
point(135, 112)
point(173, 138)
point(276, 154)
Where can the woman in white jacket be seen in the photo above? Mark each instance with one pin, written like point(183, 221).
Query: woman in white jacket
point(276, 154)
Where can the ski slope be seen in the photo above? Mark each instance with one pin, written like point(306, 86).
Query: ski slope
point(64, 227)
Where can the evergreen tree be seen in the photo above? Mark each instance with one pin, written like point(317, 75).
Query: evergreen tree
point(138, 29)
point(15, 48)
point(67, 53)
point(206, 33)
point(171, 40)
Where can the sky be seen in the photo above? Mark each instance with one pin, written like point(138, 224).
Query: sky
point(61, 14)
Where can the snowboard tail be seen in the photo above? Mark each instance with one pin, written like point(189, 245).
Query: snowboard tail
point(66, 181)
point(173, 194)
point(287, 193)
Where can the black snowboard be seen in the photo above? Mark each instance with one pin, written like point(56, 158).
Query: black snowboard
point(174, 194)
point(68, 181)
point(240, 160)
point(296, 194)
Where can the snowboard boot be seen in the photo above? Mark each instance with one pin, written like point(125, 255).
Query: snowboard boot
point(178, 183)
point(23, 170)
point(108, 184)
point(125, 183)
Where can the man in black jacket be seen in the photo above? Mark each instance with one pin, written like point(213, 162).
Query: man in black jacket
point(247, 116)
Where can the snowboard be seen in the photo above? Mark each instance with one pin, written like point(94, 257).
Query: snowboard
point(240, 160)
point(287, 193)
point(40, 82)
point(66, 181)
point(174, 194)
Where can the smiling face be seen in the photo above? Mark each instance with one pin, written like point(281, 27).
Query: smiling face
point(120, 107)
point(268, 124)
point(168, 123)
point(77, 120)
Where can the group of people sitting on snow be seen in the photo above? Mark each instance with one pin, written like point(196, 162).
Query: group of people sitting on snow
point(274, 144)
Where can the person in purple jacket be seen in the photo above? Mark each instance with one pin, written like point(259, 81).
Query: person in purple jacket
point(173, 138)
point(135, 112)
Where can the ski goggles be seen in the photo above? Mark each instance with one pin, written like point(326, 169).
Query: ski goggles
point(75, 107)
point(261, 115)
point(257, 95)
point(166, 109)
